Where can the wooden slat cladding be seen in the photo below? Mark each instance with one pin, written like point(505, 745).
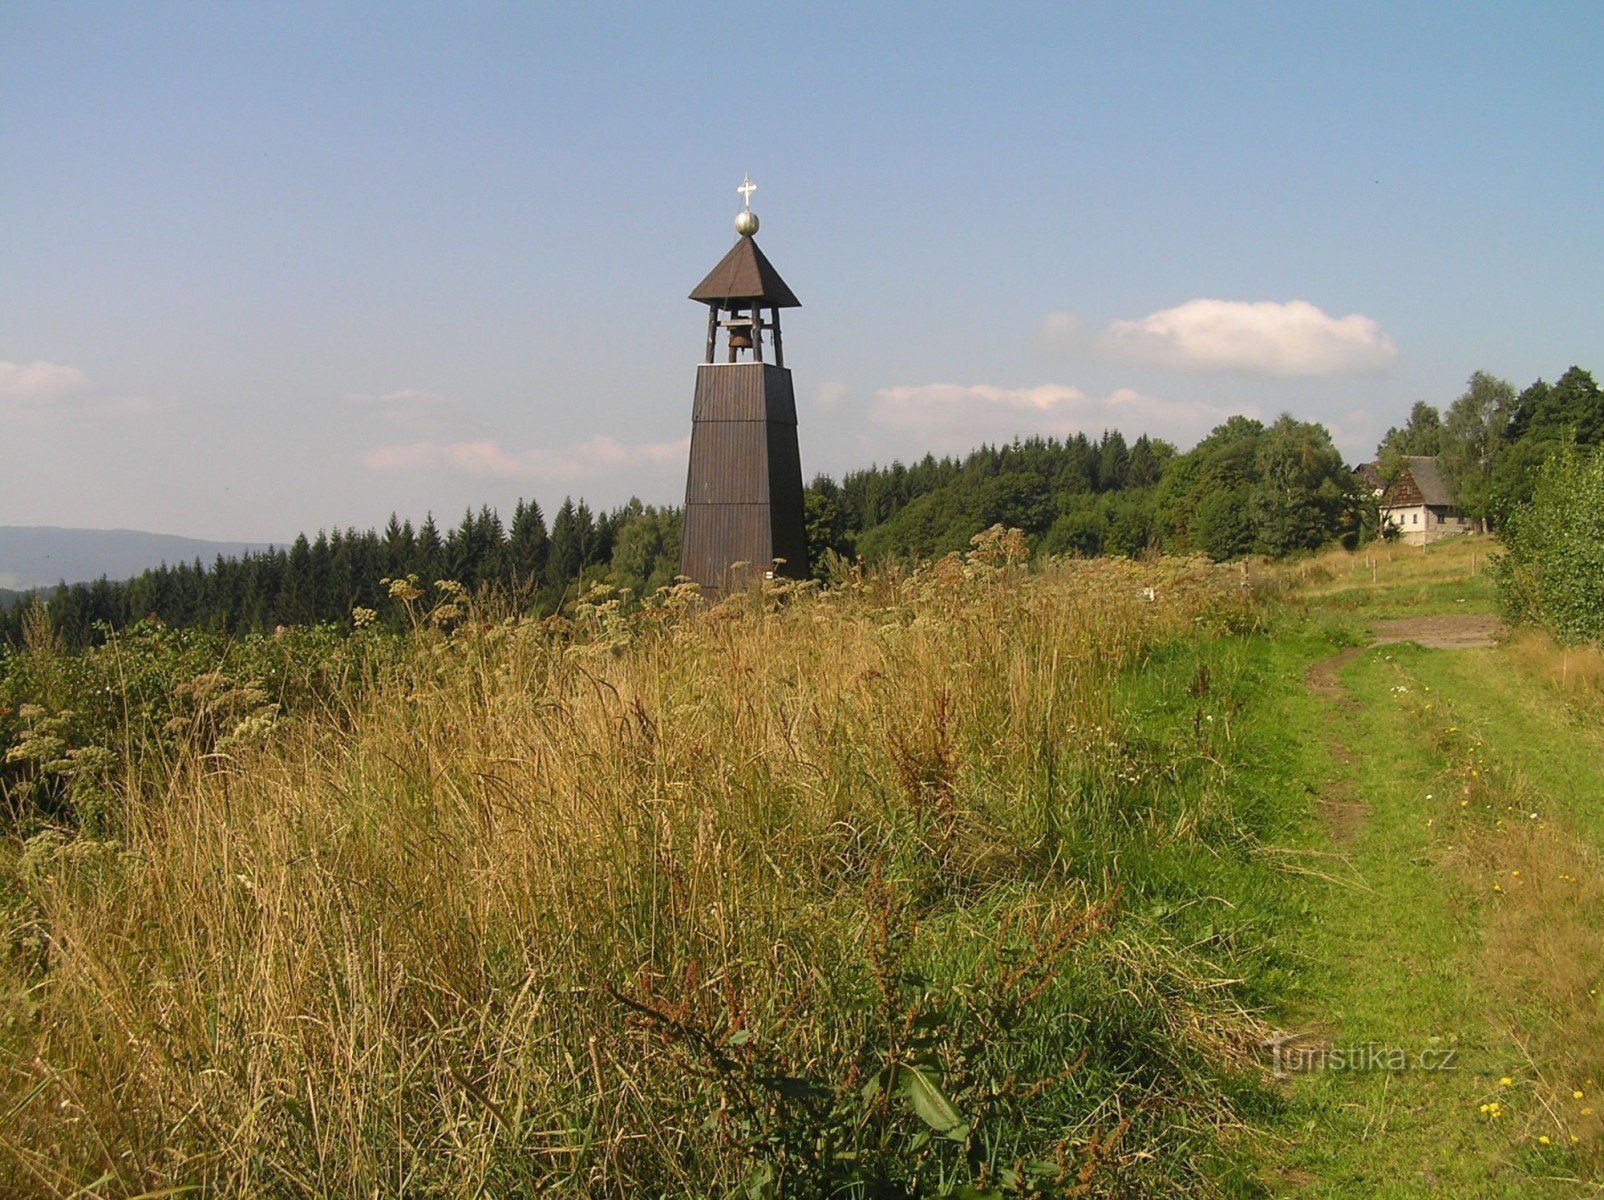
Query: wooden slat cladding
point(743, 491)
point(729, 463)
point(787, 518)
point(743, 392)
point(722, 535)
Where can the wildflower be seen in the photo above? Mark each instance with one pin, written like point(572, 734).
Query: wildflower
point(1498, 887)
point(1542, 1139)
point(1514, 874)
point(1587, 1112)
point(1464, 804)
point(1506, 1081)
point(1576, 1095)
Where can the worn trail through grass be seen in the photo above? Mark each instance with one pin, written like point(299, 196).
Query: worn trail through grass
point(1448, 1038)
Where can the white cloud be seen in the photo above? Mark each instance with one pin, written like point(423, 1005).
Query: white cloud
point(39, 393)
point(40, 382)
point(1062, 329)
point(412, 410)
point(487, 459)
point(402, 397)
point(1262, 338)
point(955, 416)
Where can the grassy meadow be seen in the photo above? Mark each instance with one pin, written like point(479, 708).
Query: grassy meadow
point(878, 891)
point(972, 880)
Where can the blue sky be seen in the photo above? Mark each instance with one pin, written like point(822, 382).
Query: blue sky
point(266, 268)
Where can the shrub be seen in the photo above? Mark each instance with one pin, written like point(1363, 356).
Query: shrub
point(1552, 573)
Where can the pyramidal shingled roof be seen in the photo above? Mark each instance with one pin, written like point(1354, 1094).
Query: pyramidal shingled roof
point(747, 276)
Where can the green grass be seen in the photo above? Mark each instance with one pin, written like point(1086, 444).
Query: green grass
point(1412, 948)
point(1530, 727)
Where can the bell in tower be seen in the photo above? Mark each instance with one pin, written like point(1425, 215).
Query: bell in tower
point(743, 495)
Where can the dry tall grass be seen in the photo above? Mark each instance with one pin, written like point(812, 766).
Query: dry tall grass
point(1575, 672)
point(1543, 888)
point(761, 899)
point(1360, 573)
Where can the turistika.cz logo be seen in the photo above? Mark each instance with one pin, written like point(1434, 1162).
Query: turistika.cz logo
point(1290, 1056)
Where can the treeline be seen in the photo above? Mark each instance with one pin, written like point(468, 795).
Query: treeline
point(1246, 488)
point(1492, 441)
point(327, 577)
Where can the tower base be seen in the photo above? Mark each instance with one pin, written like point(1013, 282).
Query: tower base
point(743, 493)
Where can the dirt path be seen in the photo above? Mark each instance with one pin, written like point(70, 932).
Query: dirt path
point(1341, 807)
point(1453, 631)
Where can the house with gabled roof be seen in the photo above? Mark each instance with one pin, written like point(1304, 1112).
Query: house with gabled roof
point(1420, 504)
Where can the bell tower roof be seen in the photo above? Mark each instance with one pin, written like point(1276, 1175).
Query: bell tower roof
point(745, 277)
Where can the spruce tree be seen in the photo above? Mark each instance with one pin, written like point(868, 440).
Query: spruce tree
point(529, 545)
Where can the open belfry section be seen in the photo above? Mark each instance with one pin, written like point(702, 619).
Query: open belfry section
point(743, 492)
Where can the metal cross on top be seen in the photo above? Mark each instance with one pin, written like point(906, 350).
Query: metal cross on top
point(746, 189)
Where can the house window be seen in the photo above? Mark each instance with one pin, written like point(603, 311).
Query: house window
point(1414, 518)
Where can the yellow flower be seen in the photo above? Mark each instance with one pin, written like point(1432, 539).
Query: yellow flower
point(1542, 1139)
point(1587, 1112)
point(1576, 1095)
point(1506, 1081)
point(1464, 804)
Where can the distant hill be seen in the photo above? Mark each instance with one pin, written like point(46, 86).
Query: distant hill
point(42, 555)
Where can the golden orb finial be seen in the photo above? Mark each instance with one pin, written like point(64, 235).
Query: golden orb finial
point(746, 219)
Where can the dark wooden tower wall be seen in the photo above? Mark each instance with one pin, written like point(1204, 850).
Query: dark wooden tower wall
point(743, 494)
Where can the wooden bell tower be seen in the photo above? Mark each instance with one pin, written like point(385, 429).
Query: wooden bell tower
point(743, 494)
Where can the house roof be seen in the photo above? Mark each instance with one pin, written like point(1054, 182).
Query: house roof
point(745, 276)
point(1420, 482)
point(1369, 474)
